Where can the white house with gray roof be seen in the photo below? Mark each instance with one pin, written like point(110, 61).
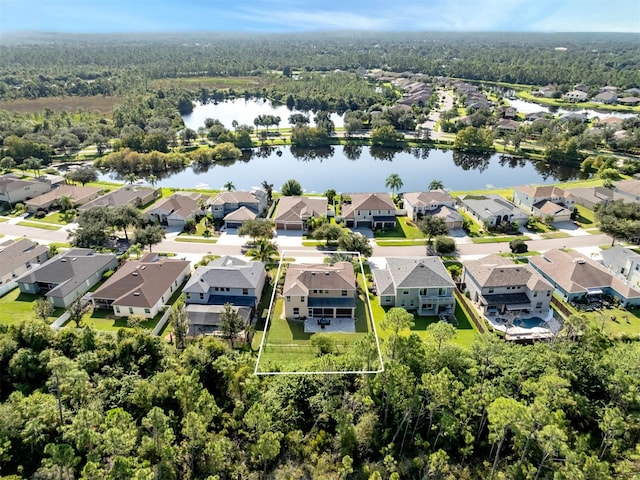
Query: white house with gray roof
point(17, 257)
point(493, 209)
point(623, 262)
point(420, 284)
point(226, 280)
point(14, 190)
point(497, 286)
point(68, 275)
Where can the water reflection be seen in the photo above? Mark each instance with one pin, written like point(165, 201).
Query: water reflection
point(309, 154)
point(352, 152)
point(471, 161)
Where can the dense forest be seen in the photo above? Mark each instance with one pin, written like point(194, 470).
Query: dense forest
point(78, 404)
point(41, 65)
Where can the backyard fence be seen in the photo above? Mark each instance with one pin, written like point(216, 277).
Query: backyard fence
point(7, 287)
point(161, 323)
point(470, 311)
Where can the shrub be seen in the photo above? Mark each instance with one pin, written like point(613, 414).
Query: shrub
point(107, 274)
point(517, 245)
point(445, 244)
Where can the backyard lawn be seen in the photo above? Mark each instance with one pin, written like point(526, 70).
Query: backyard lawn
point(405, 229)
point(617, 322)
point(16, 307)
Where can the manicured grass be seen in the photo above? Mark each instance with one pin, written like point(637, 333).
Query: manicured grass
point(42, 226)
point(617, 322)
point(507, 193)
point(54, 217)
point(405, 229)
point(314, 243)
point(106, 321)
point(586, 217)
point(16, 307)
point(475, 229)
point(196, 240)
point(400, 243)
point(499, 239)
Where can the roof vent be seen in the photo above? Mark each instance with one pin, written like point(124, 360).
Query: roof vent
point(580, 261)
point(136, 294)
point(63, 259)
point(135, 274)
point(326, 274)
point(143, 267)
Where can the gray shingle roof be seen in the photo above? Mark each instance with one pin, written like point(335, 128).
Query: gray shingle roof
point(618, 256)
point(226, 272)
point(412, 272)
point(13, 254)
point(497, 271)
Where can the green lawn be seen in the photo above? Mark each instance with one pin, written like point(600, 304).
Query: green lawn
point(106, 321)
point(196, 240)
point(405, 229)
point(475, 229)
point(42, 226)
point(54, 217)
point(586, 217)
point(16, 307)
point(549, 235)
point(617, 322)
point(400, 243)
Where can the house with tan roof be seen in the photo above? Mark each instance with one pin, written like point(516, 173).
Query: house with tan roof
point(17, 257)
point(237, 218)
point(320, 291)
point(575, 96)
point(228, 202)
point(293, 212)
point(370, 210)
point(78, 194)
point(68, 275)
point(545, 200)
point(628, 188)
point(420, 284)
point(14, 190)
point(142, 287)
point(437, 203)
point(498, 286)
point(129, 195)
point(175, 210)
point(578, 278)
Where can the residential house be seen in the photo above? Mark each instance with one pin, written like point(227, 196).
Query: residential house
point(589, 197)
point(545, 200)
point(14, 190)
point(575, 96)
point(623, 262)
point(573, 117)
point(370, 210)
point(78, 194)
point(320, 291)
point(510, 113)
point(578, 278)
point(420, 284)
point(628, 188)
point(608, 88)
point(532, 117)
point(493, 209)
point(226, 280)
point(581, 87)
point(629, 101)
point(129, 195)
point(228, 202)
point(142, 287)
point(435, 202)
point(614, 123)
point(547, 91)
point(207, 320)
point(17, 257)
point(68, 275)
point(237, 218)
point(505, 125)
point(293, 212)
point(607, 97)
point(496, 286)
point(175, 210)
point(633, 91)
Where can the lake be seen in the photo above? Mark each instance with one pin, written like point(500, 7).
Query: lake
point(364, 169)
point(244, 112)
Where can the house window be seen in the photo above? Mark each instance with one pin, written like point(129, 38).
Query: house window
point(296, 311)
point(491, 290)
point(548, 294)
point(442, 292)
point(405, 292)
point(188, 295)
point(535, 294)
point(315, 291)
point(215, 289)
point(227, 289)
point(202, 296)
point(539, 305)
point(245, 291)
point(344, 293)
point(130, 309)
point(369, 212)
point(146, 310)
point(302, 299)
point(288, 298)
point(117, 309)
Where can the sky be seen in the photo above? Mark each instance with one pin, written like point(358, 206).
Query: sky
point(89, 16)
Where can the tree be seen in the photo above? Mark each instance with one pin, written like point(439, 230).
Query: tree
point(65, 202)
point(329, 232)
point(396, 319)
point(620, 220)
point(7, 164)
point(323, 343)
point(436, 185)
point(472, 139)
point(43, 309)
point(231, 323)
point(149, 235)
point(291, 188)
point(386, 136)
point(442, 332)
point(331, 195)
point(180, 324)
point(77, 309)
point(135, 249)
point(34, 164)
point(124, 216)
point(445, 244)
point(517, 245)
point(229, 186)
point(264, 251)
point(394, 182)
point(432, 226)
point(82, 175)
point(257, 228)
point(355, 242)
point(268, 188)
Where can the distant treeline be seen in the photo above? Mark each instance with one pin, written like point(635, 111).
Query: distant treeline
point(44, 65)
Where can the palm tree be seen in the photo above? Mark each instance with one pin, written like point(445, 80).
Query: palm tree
point(65, 202)
point(131, 178)
point(264, 250)
point(229, 186)
point(394, 182)
point(152, 179)
point(436, 185)
point(135, 249)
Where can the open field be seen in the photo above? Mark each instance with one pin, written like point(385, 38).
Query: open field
point(220, 83)
point(70, 104)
